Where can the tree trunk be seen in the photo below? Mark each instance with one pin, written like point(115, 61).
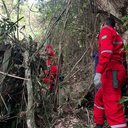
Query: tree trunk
point(30, 110)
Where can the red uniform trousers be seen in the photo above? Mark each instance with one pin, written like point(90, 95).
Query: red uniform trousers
point(107, 99)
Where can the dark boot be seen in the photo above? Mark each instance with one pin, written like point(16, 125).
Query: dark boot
point(99, 126)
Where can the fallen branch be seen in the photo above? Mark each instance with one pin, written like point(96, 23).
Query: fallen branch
point(14, 76)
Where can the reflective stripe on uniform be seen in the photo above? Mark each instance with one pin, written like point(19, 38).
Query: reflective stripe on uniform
point(103, 37)
point(99, 107)
point(118, 126)
point(117, 42)
point(108, 51)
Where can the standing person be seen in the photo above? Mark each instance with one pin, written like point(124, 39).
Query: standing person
point(52, 69)
point(109, 78)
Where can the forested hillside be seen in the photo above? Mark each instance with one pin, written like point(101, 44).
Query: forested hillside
point(71, 28)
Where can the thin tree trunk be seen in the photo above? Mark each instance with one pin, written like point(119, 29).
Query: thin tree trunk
point(30, 111)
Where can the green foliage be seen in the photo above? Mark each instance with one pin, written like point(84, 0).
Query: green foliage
point(125, 21)
point(124, 99)
point(7, 27)
point(51, 8)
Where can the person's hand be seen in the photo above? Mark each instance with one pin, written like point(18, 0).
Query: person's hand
point(97, 80)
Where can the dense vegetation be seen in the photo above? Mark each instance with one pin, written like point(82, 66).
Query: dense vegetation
point(71, 27)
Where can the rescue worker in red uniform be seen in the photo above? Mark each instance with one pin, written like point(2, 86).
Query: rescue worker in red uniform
point(52, 69)
point(109, 78)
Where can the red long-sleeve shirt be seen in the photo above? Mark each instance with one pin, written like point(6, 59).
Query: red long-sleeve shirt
point(110, 48)
point(50, 73)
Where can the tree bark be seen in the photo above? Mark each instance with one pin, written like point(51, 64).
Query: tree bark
point(30, 111)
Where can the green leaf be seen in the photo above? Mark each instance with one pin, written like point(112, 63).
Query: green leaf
point(124, 99)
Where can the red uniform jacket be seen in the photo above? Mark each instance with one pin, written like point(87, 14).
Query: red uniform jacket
point(50, 73)
point(111, 48)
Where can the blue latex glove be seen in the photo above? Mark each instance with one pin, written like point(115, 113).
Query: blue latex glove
point(97, 80)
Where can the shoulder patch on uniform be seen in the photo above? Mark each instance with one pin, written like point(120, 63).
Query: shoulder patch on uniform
point(103, 37)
